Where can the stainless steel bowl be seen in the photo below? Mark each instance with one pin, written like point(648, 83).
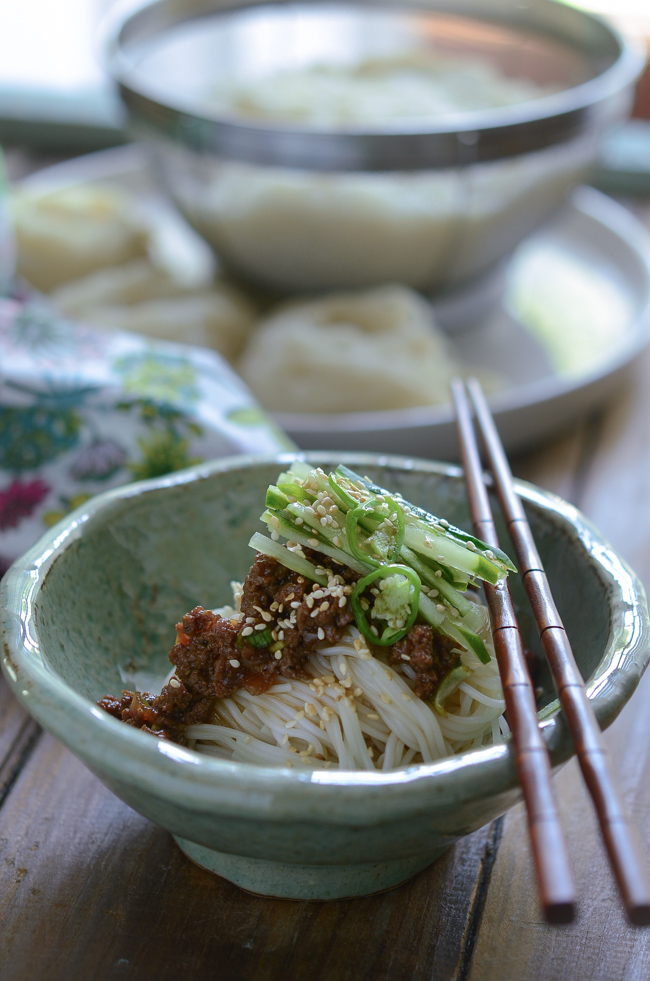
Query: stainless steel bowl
point(429, 202)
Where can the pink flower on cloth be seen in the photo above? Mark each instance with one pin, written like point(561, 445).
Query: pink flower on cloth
point(19, 500)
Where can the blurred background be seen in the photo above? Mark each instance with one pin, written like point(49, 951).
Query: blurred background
point(54, 94)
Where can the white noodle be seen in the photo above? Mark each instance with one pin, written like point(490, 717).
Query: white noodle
point(321, 722)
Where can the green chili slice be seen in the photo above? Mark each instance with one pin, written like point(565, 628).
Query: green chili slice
point(448, 686)
point(389, 636)
point(369, 509)
point(347, 499)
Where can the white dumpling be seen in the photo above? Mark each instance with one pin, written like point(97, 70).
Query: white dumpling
point(219, 318)
point(69, 233)
point(350, 352)
point(134, 282)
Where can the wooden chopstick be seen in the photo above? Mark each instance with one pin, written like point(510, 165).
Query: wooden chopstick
point(620, 836)
point(548, 846)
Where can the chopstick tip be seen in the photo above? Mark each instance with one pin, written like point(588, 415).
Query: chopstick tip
point(639, 914)
point(560, 913)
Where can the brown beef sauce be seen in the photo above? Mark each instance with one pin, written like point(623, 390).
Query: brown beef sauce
point(214, 658)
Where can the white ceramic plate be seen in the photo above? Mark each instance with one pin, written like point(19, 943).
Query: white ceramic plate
point(573, 313)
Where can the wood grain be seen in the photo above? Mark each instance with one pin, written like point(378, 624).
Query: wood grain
point(89, 889)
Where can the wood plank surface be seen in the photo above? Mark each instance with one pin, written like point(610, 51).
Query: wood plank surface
point(89, 889)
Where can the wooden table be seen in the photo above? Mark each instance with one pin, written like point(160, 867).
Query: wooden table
point(90, 890)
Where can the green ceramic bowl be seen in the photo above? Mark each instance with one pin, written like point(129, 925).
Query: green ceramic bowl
point(96, 599)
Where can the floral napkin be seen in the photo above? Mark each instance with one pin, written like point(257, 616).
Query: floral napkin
point(82, 410)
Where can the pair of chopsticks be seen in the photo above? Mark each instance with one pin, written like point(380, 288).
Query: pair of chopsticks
point(548, 846)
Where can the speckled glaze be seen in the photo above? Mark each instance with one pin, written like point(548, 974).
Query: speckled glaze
point(92, 607)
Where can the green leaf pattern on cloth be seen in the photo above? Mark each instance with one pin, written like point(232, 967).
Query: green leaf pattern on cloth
point(82, 410)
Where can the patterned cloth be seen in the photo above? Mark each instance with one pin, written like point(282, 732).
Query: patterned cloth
point(82, 410)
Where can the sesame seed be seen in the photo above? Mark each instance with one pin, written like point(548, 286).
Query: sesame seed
point(440, 558)
point(247, 739)
point(342, 601)
point(259, 626)
point(313, 542)
point(267, 617)
point(405, 657)
point(290, 725)
point(247, 631)
point(324, 605)
point(386, 700)
point(374, 631)
point(275, 536)
point(234, 663)
point(174, 682)
point(372, 716)
point(278, 655)
point(438, 573)
point(471, 546)
point(321, 633)
point(428, 543)
point(300, 714)
point(440, 607)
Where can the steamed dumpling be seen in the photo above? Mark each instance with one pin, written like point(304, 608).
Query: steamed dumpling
point(350, 352)
point(71, 232)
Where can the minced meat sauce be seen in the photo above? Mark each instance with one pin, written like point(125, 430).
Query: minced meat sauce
point(215, 656)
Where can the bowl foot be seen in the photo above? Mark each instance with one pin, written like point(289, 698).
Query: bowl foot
point(285, 880)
